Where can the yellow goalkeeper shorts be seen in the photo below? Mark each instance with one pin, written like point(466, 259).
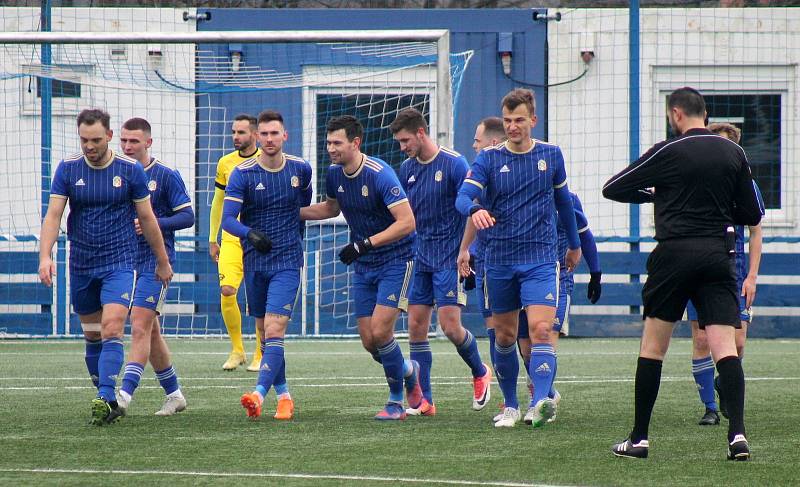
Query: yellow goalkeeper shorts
point(231, 269)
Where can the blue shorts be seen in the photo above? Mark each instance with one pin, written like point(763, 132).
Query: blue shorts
point(90, 292)
point(273, 292)
point(150, 293)
point(442, 287)
point(512, 287)
point(480, 289)
point(388, 285)
point(745, 314)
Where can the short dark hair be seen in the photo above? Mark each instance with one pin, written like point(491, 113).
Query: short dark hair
point(91, 116)
point(137, 123)
point(726, 130)
point(270, 116)
point(517, 97)
point(350, 124)
point(409, 119)
point(493, 127)
point(248, 117)
point(689, 100)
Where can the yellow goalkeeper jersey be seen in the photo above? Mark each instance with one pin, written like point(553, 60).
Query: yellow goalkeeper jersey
point(224, 168)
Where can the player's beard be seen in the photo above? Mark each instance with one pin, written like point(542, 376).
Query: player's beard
point(97, 157)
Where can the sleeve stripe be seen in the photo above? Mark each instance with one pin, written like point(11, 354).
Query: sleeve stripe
point(219, 185)
point(231, 198)
point(59, 196)
point(561, 185)
point(180, 207)
point(404, 200)
point(139, 200)
point(581, 230)
point(476, 183)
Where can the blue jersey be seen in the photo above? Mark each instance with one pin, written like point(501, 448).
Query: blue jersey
point(167, 195)
point(101, 211)
point(518, 192)
point(365, 198)
point(563, 244)
point(432, 187)
point(271, 200)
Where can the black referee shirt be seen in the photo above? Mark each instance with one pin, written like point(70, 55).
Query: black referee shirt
point(702, 185)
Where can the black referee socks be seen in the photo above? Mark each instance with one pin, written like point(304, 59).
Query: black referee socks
point(648, 379)
point(731, 381)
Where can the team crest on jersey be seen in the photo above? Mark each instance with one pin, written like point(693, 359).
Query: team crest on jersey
point(152, 185)
point(116, 182)
point(542, 165)
point(438, 176)
point(396, 191)
point(364, 191)
point(295, 181)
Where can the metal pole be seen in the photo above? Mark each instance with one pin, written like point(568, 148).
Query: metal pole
point(634, 119)
point(425, 35)
point(444, 95)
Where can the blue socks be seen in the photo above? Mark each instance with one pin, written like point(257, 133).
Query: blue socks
point(703, 371)
point(168, 380)
point(271, 364)
point(490, 333)
point(507, 368)
point(392, 360)
point(93, 349)
point(421, 352)
point(279, 384)
point(542, 370)
point(471, 356)
point(110, 363)
point(133, 374)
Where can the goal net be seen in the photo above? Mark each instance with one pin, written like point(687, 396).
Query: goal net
point(190, 86)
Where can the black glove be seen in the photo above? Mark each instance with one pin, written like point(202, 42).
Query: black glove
point(259, 241)
point(354, 250)
point(469, 281)
point(594, 288)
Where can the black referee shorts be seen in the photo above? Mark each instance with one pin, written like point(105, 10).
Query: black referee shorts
point(700, 269)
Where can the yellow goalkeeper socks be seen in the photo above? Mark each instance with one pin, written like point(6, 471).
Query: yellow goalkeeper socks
point(232, 317)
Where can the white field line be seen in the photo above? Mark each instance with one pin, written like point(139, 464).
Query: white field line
point(356, 478)
point(383, 384)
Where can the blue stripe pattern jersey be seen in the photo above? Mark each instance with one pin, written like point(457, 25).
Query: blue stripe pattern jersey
point(365, 198)
point(167, 195)
point(101, 211)
point(432, 187)
point(519, 195)
point(271, 200)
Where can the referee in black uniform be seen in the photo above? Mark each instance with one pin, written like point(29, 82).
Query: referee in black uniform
point(700, 184)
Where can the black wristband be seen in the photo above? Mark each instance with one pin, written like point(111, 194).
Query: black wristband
point(474, 209)
point(366, 244)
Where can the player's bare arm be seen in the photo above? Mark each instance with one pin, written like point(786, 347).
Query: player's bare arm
point(321, 211)
point(749, 285)
point(152, 233)
point(47, 238)
point(404, 224)
point(463, 252)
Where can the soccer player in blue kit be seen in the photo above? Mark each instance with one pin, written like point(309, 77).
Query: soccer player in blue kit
point(521, 181)
point(173, 208)
point(267, 193)
point(366, 190)
point(566, 286)
point(106, 191)
point(431, 176)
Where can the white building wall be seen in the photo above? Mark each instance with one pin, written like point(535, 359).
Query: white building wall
point(715, 50)
point(126, 88)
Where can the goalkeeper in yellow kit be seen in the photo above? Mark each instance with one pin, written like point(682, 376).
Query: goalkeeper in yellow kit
point(229, 255)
